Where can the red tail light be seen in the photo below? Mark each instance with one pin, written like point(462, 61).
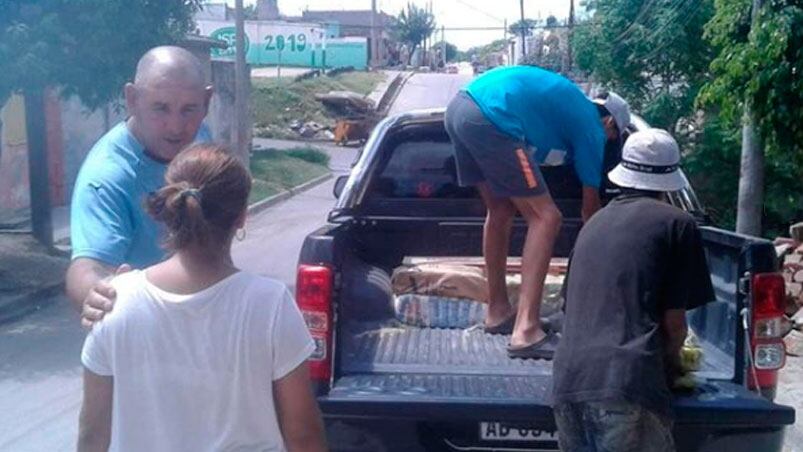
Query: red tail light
point(769, 352)
point(314, 298)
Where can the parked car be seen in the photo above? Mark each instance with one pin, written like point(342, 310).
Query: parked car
point(383, 385)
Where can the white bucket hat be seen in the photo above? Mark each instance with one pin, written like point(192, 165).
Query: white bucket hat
point(650, 161)
point(618, 108)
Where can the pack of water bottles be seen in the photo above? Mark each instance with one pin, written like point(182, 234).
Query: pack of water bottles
point(433, 311)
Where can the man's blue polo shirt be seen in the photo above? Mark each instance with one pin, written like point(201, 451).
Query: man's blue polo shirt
point(545, 110)
point(108, 220)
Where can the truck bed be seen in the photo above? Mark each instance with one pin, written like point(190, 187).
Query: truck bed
point(464, 374)
point(434, 351)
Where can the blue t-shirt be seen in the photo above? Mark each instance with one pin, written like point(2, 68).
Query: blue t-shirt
point(548, 112)
point(107, 215)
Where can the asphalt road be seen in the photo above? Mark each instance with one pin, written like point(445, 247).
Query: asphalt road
point(40, 371)
point(428, 91)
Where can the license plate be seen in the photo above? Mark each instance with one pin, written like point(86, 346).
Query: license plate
point(500, 431)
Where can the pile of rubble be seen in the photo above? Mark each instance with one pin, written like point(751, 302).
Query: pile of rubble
point(791, 251)
point(355, 115)
point(312, 130)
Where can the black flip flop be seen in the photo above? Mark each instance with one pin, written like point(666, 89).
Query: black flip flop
point(504, 327)
point(543, 349)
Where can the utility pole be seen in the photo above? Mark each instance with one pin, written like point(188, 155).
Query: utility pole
point(38, 168)
point(569, 38)
point(374, 47)
point(240, 102)
point(443, 45)
point(428, 40)
point(751, 177)
point(523, 32)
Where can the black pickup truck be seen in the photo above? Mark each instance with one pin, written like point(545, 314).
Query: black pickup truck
point(386, 386)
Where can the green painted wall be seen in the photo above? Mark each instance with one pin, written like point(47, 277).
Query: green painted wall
point(338, 54)
point(290, 44)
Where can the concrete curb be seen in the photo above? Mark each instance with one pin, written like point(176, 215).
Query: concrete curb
point(379, 91)
point(266, 203)
point(392, 92)
point(16, 307)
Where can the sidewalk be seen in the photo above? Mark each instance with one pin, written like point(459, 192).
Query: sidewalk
point(790, 392)
point(274, 72)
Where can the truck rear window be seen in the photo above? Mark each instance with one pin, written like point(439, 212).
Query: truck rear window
point(421, 169)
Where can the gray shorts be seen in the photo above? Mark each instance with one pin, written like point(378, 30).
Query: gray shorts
point(485, 154)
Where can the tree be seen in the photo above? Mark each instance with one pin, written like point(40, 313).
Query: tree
point(412, 26)
point(481, 53)
point(760, 66)
point(250, 12)
point(527, 24)
point(89, 48)
point(650, 52)
point(548, 51)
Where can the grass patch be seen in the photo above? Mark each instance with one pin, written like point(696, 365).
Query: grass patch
point(309, 154)
point(277, 102)
point(275, 171)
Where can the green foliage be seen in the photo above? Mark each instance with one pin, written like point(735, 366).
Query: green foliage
point(527, 24)
point(764, 67)
point(649, 51)
point(413, 25)
point(86, 47)
point(712, 161)
point(274, 171)
point(482, 52)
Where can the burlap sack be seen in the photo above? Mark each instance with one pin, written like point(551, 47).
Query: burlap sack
point(444, 280)
point(453, 280)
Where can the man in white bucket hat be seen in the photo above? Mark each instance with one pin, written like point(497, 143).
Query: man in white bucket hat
point(637, 266)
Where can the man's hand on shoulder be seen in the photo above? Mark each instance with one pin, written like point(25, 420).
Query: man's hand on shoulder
point(89, 288)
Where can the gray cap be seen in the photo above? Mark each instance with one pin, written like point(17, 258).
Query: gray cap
point(618, 108)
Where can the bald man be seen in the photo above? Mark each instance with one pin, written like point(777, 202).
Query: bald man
point(110, 231)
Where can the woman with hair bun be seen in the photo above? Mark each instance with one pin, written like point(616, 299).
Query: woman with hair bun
point(198, 355)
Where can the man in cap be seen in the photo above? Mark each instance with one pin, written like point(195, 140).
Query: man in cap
point(503, 125)
point(637, 266)
point(608, 102)
point(166, 105)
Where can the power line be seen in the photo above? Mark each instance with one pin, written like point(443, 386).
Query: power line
point(670, 11)
point(485, 13)
point(645, 7)
point(688, 17)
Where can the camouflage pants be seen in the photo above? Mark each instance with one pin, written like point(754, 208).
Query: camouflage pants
point(612, 426)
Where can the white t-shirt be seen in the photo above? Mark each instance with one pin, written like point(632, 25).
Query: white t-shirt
point(195, 372)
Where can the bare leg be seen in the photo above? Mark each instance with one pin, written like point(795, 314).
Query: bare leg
point(543, 224)
point(495, 246)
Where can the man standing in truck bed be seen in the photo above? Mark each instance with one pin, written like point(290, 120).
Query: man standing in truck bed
point(503, 124)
